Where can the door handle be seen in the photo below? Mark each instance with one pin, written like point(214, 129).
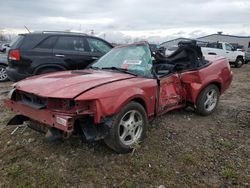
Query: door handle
point(60, 55)
point(94, 58)
point(227, 52)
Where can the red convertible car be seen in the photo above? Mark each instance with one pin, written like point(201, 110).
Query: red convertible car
point(116, 97)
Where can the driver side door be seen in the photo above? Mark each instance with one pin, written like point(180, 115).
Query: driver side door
point(170, 93)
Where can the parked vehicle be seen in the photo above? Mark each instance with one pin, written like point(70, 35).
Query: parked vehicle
point(44, 52)
point(3, 65)
point(4, 47)
point(237, 58)
point(116, 96)
point(247, 52)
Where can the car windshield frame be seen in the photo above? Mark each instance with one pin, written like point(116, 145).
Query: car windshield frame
point(132, 59)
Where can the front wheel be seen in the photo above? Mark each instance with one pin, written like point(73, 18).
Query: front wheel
point(207, 100)
point(239, 62)
point(128, 128)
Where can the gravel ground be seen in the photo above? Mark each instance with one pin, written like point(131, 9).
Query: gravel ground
point(182, 149)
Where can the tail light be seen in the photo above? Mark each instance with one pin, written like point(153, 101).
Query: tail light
point(14, 55)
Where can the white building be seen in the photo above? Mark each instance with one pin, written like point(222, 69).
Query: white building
point(175, 42)
point(240, 40)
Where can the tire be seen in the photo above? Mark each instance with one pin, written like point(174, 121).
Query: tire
point(47, 70)
point(3, 74)
point(207, 100)
point(130, 122)
point(239, 62)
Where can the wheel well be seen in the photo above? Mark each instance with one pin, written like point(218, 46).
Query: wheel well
point(141, 102)
point(3, 64)
point(240, 56)
point(213, 83)
point(49, 67)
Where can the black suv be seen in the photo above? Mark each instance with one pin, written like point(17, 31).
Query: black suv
point(44, 52)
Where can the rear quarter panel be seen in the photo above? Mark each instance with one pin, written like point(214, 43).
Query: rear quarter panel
point(218, 73)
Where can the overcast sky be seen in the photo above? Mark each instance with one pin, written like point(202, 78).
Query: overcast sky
point(155, 19)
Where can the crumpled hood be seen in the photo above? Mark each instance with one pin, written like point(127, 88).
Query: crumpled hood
point(68, 84)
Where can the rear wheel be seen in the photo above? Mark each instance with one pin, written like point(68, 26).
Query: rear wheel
point(207, 100)
point(128, 128)
point(239, 62)
point(3, 73)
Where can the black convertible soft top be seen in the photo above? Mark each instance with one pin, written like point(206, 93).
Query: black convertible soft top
point(187, 56)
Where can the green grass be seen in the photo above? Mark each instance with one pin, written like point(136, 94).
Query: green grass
point(20, 177)
point(188, 159)
point(14, 170)
point(228, 172)
point(128, 184)
point(225, 143)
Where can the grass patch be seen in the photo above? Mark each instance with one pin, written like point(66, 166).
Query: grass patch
point(225, 143)
point(128, 184)
point(14, 170)
point(188, 159)
point(228, 172)
point(188, 178)
point(19, 176)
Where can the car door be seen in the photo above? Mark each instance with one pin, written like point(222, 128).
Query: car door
point(214, 48)
point(84, 53)
point(67, 51)
point(42, 53)
point(170, 92)
point(230, 53)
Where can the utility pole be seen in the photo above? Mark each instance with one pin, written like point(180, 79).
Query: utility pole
point(92, 32)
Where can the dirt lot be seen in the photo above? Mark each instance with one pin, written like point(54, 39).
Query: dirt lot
point(182, 149)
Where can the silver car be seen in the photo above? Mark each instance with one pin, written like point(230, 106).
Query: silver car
point(3, 65)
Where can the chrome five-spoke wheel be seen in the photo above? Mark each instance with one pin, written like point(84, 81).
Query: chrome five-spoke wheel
point(207, 100)
point(211, 100)
point(128, 128)
point(3, 73)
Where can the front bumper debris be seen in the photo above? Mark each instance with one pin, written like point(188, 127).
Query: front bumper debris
point(63, 122)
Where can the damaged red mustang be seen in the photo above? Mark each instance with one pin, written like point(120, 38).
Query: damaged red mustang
point(116, 96)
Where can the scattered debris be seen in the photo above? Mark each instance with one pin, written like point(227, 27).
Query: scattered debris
point(18, 127)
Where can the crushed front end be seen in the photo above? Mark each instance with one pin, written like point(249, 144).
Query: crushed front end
point(64, 116)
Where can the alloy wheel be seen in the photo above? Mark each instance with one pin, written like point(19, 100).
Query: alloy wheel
point(130, 127)
point(3, 74)
point(211, 100)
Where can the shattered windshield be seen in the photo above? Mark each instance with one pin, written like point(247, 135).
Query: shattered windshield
point(134, 59)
